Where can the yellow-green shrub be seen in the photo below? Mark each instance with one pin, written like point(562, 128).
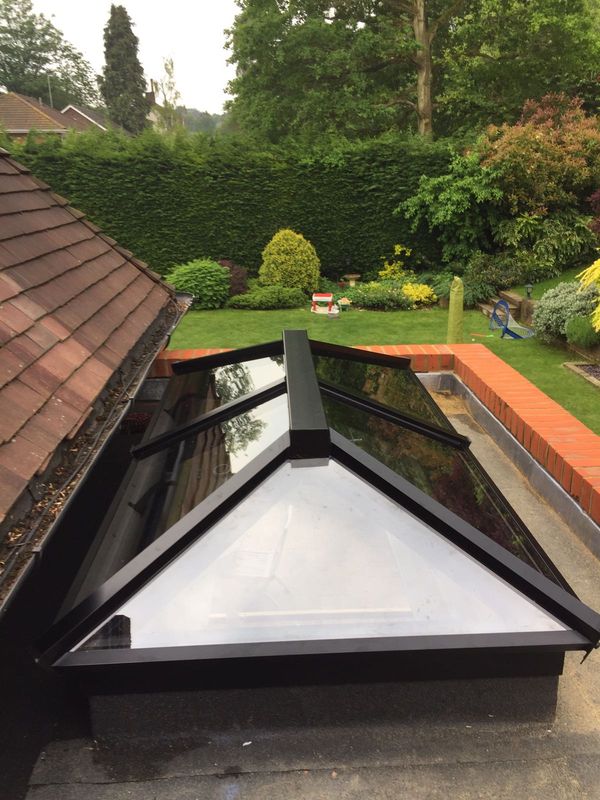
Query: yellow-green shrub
point(420, 294)
point(591, 277)
point(290, 260)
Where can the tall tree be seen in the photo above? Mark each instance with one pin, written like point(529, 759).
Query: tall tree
point(169, 112)
point(123, 84)
point(36, 60)
point(361, 67)
point(500, 53)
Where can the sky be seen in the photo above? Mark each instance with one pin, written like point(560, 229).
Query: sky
point(189, 31)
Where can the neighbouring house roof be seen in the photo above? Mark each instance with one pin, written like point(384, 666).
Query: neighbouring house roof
point(75, 309)
point(83, 118)
point(19, 114)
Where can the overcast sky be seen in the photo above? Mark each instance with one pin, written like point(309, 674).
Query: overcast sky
point(189, 31)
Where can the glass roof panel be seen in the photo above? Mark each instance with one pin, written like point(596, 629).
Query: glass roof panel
point(397, 388)
point(449, 475)
point(185, 473)
point(190, 395)
point(313, 554)
point(166, 485)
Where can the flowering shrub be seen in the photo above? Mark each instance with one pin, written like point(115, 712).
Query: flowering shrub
point(419, 294)
point(559, 305)
point(393, 268)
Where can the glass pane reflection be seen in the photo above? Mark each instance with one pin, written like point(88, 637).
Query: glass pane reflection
point(397, 388)
point(181, 476)
point(450, 476)
point(188, 396)
point(317, 553)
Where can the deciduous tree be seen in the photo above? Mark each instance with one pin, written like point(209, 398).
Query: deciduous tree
point(36, 60)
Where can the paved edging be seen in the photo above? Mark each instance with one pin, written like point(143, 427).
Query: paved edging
point(562, 444)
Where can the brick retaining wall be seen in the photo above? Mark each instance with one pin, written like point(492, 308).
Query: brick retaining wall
point(563, 445)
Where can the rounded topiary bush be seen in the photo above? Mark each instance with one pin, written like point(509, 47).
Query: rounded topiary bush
point(290, 260)
point(208, 281)
point(558, 305)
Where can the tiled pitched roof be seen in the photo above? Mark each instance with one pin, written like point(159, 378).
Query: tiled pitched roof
point(19, 114)
point(82, 118)
point(73, 305)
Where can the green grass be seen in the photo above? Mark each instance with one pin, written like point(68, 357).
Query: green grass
point(540, 363)
point(543, 286)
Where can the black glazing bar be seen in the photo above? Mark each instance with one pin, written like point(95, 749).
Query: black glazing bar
point(397, 417)
point(547, 594)
point(309, 431)
point(228, 357)
point(95, 609)
point(354, 354)
point(208, 420)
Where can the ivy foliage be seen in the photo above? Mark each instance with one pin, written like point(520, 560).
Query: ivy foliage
point(169, 198)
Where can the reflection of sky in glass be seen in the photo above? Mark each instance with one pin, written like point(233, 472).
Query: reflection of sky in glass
point(317, 553)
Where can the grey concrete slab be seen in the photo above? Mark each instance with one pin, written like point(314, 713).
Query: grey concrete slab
point(337, 754)
point(493, 781)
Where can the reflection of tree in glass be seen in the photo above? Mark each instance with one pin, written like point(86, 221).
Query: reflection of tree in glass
point(438, 470)
point(233, 382)
point(396, 388)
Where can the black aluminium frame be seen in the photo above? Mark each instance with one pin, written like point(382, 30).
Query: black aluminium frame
point(310, 438)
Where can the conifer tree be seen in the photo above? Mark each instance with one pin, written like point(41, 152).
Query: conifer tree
point(123, 85)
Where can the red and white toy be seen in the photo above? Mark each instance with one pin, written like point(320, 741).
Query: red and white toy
point(322, 303)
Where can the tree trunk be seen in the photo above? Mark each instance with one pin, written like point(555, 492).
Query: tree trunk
point(424, 68)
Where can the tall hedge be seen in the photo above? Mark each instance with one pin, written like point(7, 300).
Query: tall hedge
point(169, 205)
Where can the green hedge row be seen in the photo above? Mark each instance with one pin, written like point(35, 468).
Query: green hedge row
point(171, 206)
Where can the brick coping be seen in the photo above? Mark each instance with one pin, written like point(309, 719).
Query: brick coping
point(563, 445)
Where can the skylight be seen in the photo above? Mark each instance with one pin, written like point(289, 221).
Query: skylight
point(300, 499)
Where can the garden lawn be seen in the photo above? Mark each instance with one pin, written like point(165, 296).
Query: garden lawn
point(540, 363)
point(543, 286)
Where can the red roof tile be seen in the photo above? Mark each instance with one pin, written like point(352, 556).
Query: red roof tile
point(73, 305)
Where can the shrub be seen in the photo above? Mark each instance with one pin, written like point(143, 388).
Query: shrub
point(546, 245)
point(546, 160)
point(290, 260)
point(386, 296)
point(581, 333)
point(325, 285)
point(476, 287)
point(393, 266)
point(205, 279)
point(558, 305)
point(501, 270)
point(419, 294)
point(591, 277)
point(238, 276)
point(458, 207)
point(265, 298)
